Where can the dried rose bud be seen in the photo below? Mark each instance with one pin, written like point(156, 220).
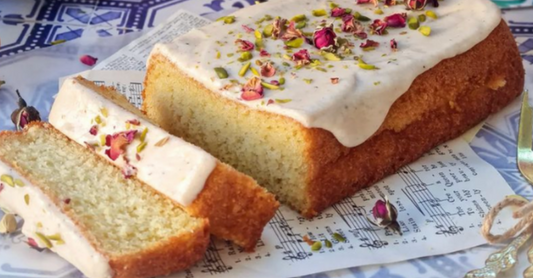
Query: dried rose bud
point(268, 70)
point(24, 114)
point(244, 45)
point(247, 29)
point(416, 4)
point(390, 2)
point(385, 215)
point(324, 38)
point(301, 57)
point(378, 27)
point(252, 90)
point(393, 45)
point(338, 12)
point(350, 25)
point(396, 20)
point(88, 60)
point(291, 33)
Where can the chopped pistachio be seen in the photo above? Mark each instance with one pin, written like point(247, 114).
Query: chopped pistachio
point(244, 69)
point(255, 72)
point(229, 55)
point(316, 246)
point(98, 120)
point(54, 237)
point(338, 237)
point(56, 42)
point(432, 14)
point(286, 64)
point(413, 23)
point(227, 19)
point(295, 43)
point(299, 18)
point(143, 134)
point(45, 241)
point(282, 81)
point(27, 199)
point(258, 34)
point(259, 44)
point(221, 72)
point(331, 56)
point(308, 81)
point(128, 126)
point(287, 57)
point(378, 11)
point(102, 139)
point(269, 86)
point(422, 18)
point(104, 112)
point(19, 183)
point(283, 100)
point(328, 243)
point(366, 66)
point(333, 5)
point(141, 147)
point(360, 17)
point(8, 180)
point(425, 30)
point(301, 25)
point(377, 83)
point(267, 31)
point(245, 56)
point(320, 12)
point(218, 55)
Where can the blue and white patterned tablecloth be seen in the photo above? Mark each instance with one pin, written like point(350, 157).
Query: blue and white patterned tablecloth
point(27, 25)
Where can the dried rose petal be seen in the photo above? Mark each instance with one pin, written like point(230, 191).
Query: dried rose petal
point(396, 20)
point(134, 122)
point(278, 27)
point(264, 53)
point(94, 130)
point(268, 70)
point(247, 29)
point(88, 60)
point(416, 4)
point(274, 82)
point(362, 35)
point(32, 243)
point(369, 43)
point(291, 33)
point(244, 45)
point(393, 45)
point(1, 187)
point(118, 142)
point(301, 57)
point(67, 201)
point(270, 101)
point(390, 2)
point(138, 157)
point(334, 80)
point(350, 25)
point(324, 38)
point(338, 12)
point(252, 90)
point(375, 2)
point(378, 27)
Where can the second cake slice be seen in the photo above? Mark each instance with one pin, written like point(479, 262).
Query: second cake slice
point(104, 120)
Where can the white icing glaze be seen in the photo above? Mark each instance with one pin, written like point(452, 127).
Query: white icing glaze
point(356, 107)
point(177, 169)
point(77, 250)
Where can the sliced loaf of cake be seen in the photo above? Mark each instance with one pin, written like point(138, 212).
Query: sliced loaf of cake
point(80, 206)
point(103, 120)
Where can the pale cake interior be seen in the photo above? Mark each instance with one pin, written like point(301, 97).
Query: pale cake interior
point(269, 149)
point(121, 216)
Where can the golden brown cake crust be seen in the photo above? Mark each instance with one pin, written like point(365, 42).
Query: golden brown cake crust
point(237, 207)
point(179, 253)
point(442, 103)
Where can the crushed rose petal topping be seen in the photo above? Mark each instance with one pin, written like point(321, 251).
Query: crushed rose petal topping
point(118, 142)
point(94, 130)
point(369, 43)
point(264, 53)
point(247, 29)
point(134, 122)
point(253, 89)
point(278, 27)
point(244, 45)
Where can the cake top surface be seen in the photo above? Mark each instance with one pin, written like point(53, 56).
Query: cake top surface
point(140, 148)
point(333, 65)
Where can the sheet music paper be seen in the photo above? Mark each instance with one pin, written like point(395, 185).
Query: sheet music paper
point(441, 199)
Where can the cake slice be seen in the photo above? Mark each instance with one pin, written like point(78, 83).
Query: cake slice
point(79, 206)
point(104, 121)
point(318, 99)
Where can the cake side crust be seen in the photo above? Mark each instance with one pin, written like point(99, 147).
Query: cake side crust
point(441, 104)
point(237, 207)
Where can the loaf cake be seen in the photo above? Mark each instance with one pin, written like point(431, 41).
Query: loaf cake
point(79, 206)
point(97, 116)
point(318, 99)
